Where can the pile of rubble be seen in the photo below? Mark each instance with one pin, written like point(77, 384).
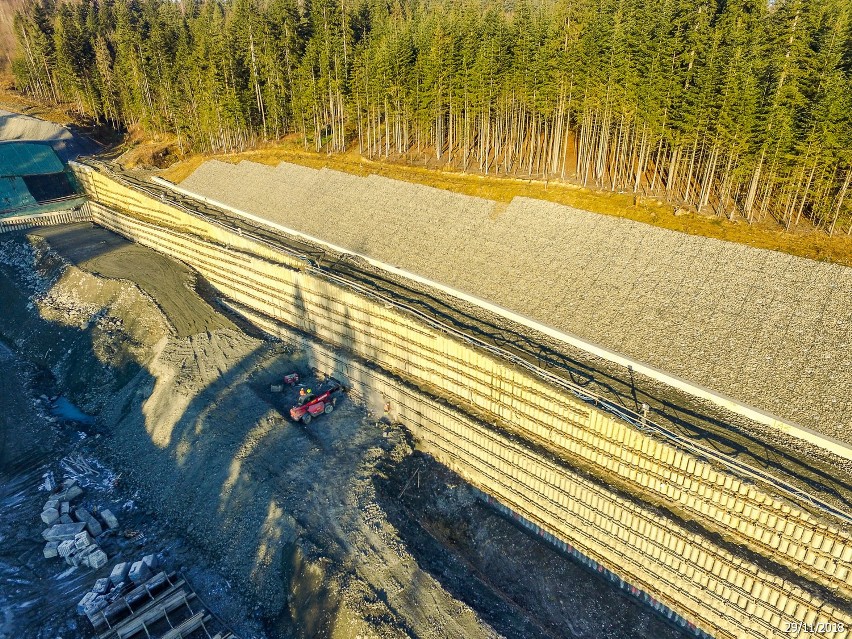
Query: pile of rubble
point(124, 577)
point(73, 531)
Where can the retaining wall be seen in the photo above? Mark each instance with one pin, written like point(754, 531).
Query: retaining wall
point(769, 329)
point(21, 222)
point(722, 593)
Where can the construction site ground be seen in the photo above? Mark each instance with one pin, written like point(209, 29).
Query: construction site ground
point(790, 459)
point(337, 529)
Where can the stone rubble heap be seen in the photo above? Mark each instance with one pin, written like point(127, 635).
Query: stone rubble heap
point(73, 530)
point(123, 578)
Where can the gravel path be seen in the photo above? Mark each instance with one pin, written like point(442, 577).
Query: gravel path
point(768, 328)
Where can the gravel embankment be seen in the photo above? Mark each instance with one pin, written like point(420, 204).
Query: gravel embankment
point(771, 329)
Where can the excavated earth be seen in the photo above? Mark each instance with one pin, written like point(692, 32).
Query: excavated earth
point(339, 529)
point(768, 329)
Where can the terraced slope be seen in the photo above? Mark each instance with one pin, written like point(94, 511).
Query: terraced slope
point(772, 330)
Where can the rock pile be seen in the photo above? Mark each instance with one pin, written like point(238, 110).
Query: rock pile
point(123, 578)
point(73, 530)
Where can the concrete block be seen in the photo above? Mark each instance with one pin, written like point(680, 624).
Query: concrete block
point(119, 573)
point(97, 559)
point(85, 601)
point(51, 549)
point(102, 586)
point(66, 547)
point(83, 539)
point(109, 519)
point(69, 494)
point(65, 508)
point(52, 503)
point(68, 483)
point(74, 557)
point(50, 516)
point(65, 519)
point(139, 572)
point(92, 525)
point(49, 482)
point(151, 561)
point(97, 604)
point(61, 532)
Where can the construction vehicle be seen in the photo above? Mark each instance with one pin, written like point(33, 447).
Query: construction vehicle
point(320, 404)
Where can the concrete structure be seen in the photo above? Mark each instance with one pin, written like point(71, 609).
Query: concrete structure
point(63, 532)
point(730, 323)
point(520, 440)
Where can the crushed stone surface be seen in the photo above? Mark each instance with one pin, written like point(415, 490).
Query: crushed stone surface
point(772, 330)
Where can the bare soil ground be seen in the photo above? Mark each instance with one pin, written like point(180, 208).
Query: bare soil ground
point(285, 530)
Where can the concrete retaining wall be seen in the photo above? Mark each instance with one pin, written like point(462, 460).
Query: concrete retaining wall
point(516, 402)
point(768, 329)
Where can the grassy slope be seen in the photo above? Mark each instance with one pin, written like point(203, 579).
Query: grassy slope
point(803, 243)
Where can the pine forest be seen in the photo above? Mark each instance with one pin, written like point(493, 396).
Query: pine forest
point(735, 108)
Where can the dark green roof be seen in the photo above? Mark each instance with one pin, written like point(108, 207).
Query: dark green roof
point(14, 194)
point(27, 158)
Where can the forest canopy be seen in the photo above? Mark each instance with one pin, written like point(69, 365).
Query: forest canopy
point(733, 107)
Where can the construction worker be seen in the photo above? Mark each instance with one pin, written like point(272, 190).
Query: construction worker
point(304, 395)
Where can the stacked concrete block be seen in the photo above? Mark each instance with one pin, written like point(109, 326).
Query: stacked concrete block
point(66, 548)
point(83, 540)
point(102, 586)
point(647, 549)
point(87, 599)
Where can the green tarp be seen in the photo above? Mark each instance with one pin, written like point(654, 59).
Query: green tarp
point(27, 158)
